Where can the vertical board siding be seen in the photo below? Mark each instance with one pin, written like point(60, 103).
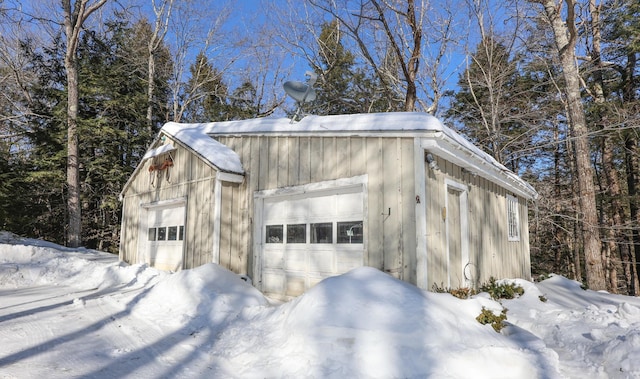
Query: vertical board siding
point(315, 158)
point(436, 236)
point(376, 203)
point(294, 164)
point(303, 160)
point(190, 178)
point(272, 162)
point(392, 210)
point(408, 201)
point(490, 251)
point(343, 152)
point(304, 151)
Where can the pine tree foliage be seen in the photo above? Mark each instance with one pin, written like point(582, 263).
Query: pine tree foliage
point(207, 92)
point(208, 98)
point(112, 130)
point(343, 87)
point(112, 133)
point(494, 105)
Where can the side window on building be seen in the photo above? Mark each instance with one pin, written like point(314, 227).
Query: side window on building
point(513, 218)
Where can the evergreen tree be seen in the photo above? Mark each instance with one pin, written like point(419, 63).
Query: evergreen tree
point(335, 73)
point(206, 93)
point(209, 99)
point(111, 121)
point(43, 172)
point(493, 104)
point(343, 87)
point(244, 102)
point(137, 55)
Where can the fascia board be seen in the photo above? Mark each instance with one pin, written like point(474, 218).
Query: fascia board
point(440, 145)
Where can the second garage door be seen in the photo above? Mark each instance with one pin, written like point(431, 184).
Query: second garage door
point(165, 236)
point(308, 237)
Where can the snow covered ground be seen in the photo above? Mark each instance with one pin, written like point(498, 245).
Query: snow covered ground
point(81, 314)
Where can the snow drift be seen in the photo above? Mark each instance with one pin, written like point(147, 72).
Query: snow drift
point(81, 313)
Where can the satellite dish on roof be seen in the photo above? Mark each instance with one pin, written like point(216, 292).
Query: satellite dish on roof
point(301, 92)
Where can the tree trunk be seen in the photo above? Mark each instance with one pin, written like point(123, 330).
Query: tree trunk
point(575, 243)
point(409, 66)
point(414, 61)
point(631, 154)
point(565, 39)
point(74, 209)
point(151, 88)
point(162, 11)
point(614, 236)
point(73, 20)
point(632, 165)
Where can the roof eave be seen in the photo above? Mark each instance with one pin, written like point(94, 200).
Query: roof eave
point(442, 145)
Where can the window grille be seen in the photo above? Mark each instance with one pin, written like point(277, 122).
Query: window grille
point(513, 218)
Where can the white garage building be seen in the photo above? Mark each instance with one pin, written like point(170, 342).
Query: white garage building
point(289, 204)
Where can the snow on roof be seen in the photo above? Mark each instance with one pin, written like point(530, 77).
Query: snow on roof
point(198, 137)
point(158, 151)
point(366, 122)
point(193, 136)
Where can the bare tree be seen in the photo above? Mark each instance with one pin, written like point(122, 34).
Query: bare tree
point(74, 17)
point(565, 36)
point(162, 12)
point(242, 53)
point(492, 104)
point(15, 79)
point(195, 29)
point(390, 37)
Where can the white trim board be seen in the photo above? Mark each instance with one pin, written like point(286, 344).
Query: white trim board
point(464, 227)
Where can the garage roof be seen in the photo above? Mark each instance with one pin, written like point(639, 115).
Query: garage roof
point(421, 125)
point(195, 137)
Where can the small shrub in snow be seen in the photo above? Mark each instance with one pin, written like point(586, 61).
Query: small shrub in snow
point(499, 291)
point(542, 298)
point(460, 293)
point(439, 289)
point(486, 316)
point(542, 277)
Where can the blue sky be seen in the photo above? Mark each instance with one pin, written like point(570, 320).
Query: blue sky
point(244, 25)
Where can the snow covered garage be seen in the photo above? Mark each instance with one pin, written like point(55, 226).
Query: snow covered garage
point(289, 204)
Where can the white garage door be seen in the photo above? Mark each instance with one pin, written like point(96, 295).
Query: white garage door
point(309, 237)
point(165, 237)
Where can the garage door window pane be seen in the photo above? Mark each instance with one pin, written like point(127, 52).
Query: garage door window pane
point(162, 234)
point(350, 232)
point(297, 233)
point(181, 233)
point(152, 234)
point(172, 234)
point(274, 234)
point(322, 232)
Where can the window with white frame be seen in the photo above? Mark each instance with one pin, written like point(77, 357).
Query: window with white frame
point(513, 218)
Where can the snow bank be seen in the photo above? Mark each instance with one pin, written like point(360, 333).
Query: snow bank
point(367, 324)
point(28, 262)
point(595, 334)
point(132, 321)
point(208, 294)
